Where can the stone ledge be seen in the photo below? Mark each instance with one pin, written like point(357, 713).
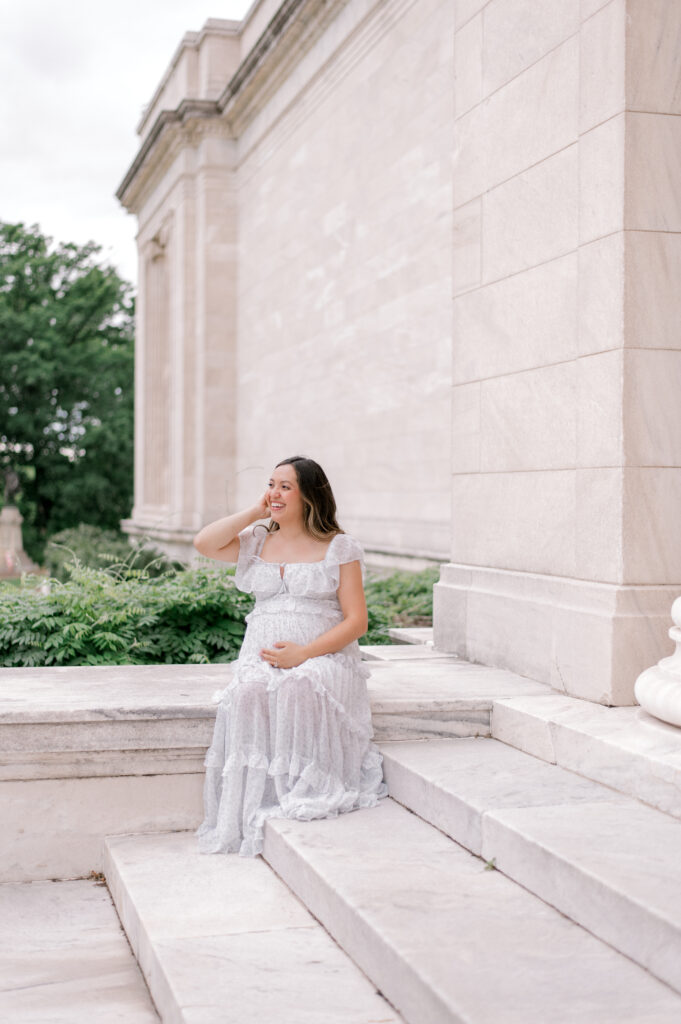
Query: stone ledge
point(94, 752)
point(83, 722)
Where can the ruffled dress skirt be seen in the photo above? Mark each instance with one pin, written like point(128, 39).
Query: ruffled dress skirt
point(288, 743)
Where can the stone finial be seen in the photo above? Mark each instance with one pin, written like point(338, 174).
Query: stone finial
point(658, 689)
point(11, 486)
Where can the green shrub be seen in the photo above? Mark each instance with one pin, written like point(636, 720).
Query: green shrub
point(100, 618)
point(96, 548)
point(401, 599)
point(123, 616)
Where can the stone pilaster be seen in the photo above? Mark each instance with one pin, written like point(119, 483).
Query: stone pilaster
point(567, 363)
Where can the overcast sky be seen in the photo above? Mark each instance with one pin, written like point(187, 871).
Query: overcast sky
point(74, 77)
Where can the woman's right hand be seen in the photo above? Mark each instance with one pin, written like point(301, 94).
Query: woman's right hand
point(263, 507)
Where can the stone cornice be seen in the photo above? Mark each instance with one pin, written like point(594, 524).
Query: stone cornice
point(294, 29)
point(256, 60)
point(188, 110)
point(296, 24)
point(214, 26)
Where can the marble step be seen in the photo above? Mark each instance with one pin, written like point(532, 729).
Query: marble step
point(625, 748)
point(419, 697)
point(411, 635)
point(87, 752)
point(603, 859)
point(447, 940)
point(222, 940)
point(65, 959)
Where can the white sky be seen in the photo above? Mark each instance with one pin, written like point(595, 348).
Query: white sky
point(74, 77)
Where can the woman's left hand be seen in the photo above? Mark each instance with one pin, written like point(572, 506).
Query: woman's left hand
point(284, 655)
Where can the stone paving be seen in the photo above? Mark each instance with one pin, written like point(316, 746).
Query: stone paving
point(65, 957)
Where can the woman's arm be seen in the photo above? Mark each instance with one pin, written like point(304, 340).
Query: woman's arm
point(354, 625)
point(220, 539)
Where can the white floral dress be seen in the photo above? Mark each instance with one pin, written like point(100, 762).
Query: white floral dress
point(289, 743)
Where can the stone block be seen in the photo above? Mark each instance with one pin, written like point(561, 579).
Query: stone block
point(506, 633)
point(653, 167)
point(602, 294)
point(468, 66)
point(533, 116)
point(589, 7)
point(652, 73)
point(528, 420)
point(464, 10)
point(602, 65)
point(652, 297)
point(467, 246)
point(652, 541)
point(532, 218)
point(523, 321)
point(450, 613)
point(521, 520)
point(470, 156)
point(598, 410)
point(527, 727)
point(598, 524)
point(651, 408)
point(601, 180)
point(518, 33)
point(466, 428)
point(519, 125)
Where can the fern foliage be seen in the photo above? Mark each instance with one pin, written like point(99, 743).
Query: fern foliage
point(125, 618)
point(122, 615)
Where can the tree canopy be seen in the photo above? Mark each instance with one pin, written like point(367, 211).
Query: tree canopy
point(66, 383)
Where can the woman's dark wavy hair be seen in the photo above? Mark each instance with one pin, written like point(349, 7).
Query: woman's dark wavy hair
point(319, 504)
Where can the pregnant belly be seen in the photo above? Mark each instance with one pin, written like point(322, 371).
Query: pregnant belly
point(264, 629)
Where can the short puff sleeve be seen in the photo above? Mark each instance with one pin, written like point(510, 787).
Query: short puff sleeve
point(249, 543)
point(346, 549)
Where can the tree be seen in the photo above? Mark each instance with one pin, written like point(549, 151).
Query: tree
point(66, 383)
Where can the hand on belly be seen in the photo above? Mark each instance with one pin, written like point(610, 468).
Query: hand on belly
point(284, 655)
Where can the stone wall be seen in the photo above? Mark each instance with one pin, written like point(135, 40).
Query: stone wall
point(344, 306)
point(298, 221)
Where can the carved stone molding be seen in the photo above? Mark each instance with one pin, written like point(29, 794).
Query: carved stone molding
point(295, 27)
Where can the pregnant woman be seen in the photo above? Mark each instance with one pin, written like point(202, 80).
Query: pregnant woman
point(293, 733)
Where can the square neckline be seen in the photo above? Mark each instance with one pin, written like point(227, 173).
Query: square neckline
point(317, 561)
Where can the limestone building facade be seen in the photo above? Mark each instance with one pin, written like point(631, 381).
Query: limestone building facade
point(437, 246)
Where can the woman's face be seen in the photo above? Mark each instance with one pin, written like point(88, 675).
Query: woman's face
point(283, 495)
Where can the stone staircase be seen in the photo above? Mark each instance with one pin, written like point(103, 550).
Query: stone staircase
point(525, 868)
